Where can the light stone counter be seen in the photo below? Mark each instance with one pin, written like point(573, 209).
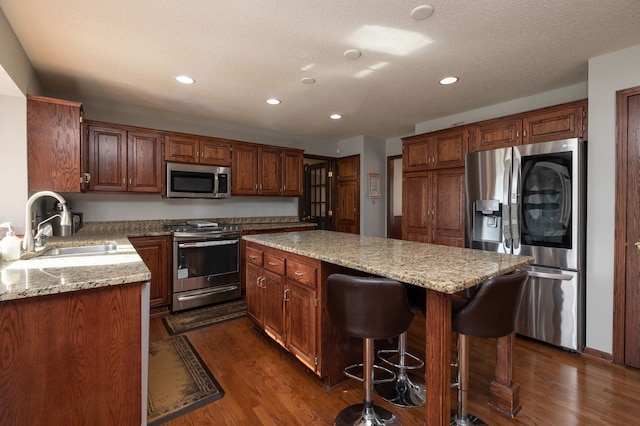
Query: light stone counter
point(42, 275)
point(441, 268)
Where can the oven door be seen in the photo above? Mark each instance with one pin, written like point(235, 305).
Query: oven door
point(206, 270)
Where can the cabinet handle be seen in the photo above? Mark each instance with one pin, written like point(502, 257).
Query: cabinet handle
point(261, 285)
point(298, 274)
point(286, 295)
point(124, 181)
point(253, 257)
point(272, 263)
point(129, 181)
point(524, 133)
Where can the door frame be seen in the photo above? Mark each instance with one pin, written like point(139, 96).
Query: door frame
point(330, 223)
point(620, 245)
point(390, 184)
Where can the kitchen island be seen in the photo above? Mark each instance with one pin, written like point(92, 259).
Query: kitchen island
point(442, 270)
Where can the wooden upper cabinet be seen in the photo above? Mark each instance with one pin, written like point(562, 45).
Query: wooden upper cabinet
point(499, 133)
point(266, 170)
point(54, 140)
point(124, 160)
point(244, 169)
point(547, 124)
point(292, 173)
point(436, 150)
point(555, 124)
point(269, 179)
point(182, 148)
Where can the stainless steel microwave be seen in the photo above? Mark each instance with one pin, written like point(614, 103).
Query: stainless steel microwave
point(198, 181)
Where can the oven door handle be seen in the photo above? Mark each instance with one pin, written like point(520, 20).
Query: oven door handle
point(208, 243)
point(206, 293)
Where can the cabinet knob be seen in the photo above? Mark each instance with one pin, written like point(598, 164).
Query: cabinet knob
point(637, 245)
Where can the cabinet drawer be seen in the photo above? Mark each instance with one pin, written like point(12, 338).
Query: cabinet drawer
point(254, 256)
point(302, 273)
point(274, 264)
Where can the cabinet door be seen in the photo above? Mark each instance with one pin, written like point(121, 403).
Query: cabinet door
point(273, 291)
point(244, 177)
point(269, 180)
point(554, 125)
point(53, 144)
point(254, 295)
point(447, 195)
point(416, 206)
point(181, 148)
point(499, 133)
point(448, 148)
point(144, 162)
point(416, 153)
point(107, 161)
point(215, 152)
point(155, 253)
point(292, 173)
point(301, 303)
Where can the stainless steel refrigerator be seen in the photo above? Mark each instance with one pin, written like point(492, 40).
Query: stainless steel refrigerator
point(530, 200)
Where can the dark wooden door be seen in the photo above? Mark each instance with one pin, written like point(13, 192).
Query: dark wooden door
point(348, 197)
point(144, 162)
point(155, 253)
point(107, 159)
point(244, 180)
point(626, 348)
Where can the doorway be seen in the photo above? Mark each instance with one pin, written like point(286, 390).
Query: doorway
point(394, 197)
point(316, 203)
point(626, 318)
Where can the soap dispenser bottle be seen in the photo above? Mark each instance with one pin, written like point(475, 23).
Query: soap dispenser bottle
point(10, 243)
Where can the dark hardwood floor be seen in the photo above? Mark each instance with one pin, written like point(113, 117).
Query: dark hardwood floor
point(265, 386)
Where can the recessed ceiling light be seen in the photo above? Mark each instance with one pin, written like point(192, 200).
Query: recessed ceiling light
point(422, 12)
point(448, 80)
point(308, 80)
point(273, 101)
point(184, 79)
point(335, 116)
point(352, 54)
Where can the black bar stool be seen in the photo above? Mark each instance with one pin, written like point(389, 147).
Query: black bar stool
point(490, 313)
point(408, 389)
point(368, 308)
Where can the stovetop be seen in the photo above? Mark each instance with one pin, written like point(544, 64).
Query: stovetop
point(202, 227)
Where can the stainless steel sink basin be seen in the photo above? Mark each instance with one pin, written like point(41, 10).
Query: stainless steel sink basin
point(81, 250)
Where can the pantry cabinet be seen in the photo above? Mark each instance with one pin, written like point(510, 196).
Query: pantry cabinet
point(122, 159)
point(155, 252)
point(54, 140)
point(547, 124)
point(182, 148)
point(436, 150)
point(266, 170)
point(433, 206)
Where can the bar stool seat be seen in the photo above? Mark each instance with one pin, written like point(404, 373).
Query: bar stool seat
point(368, 308)
point(490, 313)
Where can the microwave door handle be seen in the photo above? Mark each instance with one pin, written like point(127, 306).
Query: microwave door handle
point(216, 184)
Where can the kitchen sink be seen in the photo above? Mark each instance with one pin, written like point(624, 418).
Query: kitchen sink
point(81, 250)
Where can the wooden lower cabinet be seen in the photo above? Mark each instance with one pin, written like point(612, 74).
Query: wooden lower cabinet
point(72, 358)
point(156, 254)
point(286, 299)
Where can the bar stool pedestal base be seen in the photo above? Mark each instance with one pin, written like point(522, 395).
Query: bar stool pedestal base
point(408, 390)
point(357, 415)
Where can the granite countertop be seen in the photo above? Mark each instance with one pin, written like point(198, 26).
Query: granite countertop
point(37, 275)
point(441, 268)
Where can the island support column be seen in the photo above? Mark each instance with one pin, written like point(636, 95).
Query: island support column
point(437, 360)
point(504, 392)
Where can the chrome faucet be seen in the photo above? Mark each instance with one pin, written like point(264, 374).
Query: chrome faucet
point(28, 243)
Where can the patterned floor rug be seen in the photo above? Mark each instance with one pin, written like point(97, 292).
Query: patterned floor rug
point(178, 380)
point(196, 318)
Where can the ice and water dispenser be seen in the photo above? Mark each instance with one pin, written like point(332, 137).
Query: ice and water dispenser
point(487, 221)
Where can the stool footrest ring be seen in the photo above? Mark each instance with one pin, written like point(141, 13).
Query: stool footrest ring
point(349, 372)
point(417, 362)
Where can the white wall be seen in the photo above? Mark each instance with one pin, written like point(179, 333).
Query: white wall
point(13, 160)
point(607, 74)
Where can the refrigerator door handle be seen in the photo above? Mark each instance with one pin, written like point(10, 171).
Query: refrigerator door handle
point(506, 207)
point(515, 203)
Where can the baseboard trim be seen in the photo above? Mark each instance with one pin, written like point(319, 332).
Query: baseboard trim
point(594, 353)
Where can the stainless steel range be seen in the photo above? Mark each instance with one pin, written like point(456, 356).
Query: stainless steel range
point(206, 263)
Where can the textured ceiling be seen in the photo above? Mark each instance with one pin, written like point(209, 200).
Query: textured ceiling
point(242, 52)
